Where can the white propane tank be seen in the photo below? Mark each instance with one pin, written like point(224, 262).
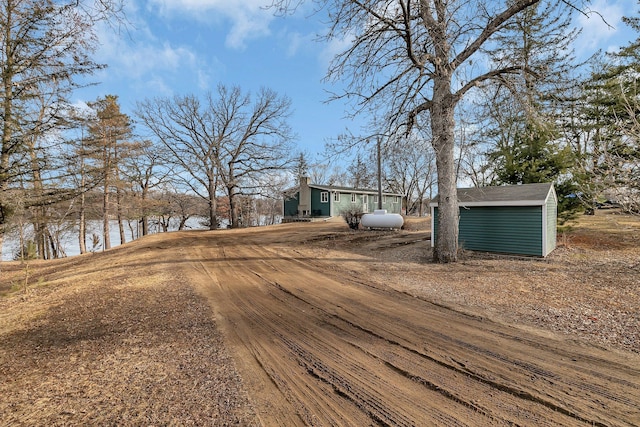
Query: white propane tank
point(381, 219)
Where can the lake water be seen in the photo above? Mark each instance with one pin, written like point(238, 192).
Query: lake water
point(69, 238)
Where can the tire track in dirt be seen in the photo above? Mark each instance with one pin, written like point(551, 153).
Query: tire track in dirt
point(598, 373)
point(326, 348)
point(515, 391)
point(286, 397)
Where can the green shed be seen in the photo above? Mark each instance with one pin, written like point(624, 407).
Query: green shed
point(512, 219)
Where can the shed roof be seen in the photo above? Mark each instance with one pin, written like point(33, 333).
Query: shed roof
point(505, 195)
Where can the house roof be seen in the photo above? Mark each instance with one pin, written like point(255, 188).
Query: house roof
point(350, 190)
point(505, 195)
point(330, 188)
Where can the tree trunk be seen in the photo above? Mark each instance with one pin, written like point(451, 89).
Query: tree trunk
point(40, 230)
point(40, 224)
point(213, 219)
point(145, 225)
point(105, 218)
point(233, 208)
point(123, 238)
point(7, 118)
point(116, 172)
point(183, 223)
point(53, 245)
point(145, 214)
point(442, 126)
point(132, 231)
point(82, 223)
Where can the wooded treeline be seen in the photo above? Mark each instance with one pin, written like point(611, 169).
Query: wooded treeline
point(537, 114)
point(227, 172)
point(225, 151)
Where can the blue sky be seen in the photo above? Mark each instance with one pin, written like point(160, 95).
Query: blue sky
point(190, 46)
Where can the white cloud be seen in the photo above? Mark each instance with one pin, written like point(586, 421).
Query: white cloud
point(296, 42)
point(335, 47)
point(602, 26)
point(249, 19)
point(146, 63)
point(157, 86)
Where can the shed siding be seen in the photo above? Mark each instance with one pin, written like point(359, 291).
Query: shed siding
point(507, 229)
point(552, 218)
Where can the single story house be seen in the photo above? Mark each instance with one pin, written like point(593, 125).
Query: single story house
point(313, 200)
point(511, 219)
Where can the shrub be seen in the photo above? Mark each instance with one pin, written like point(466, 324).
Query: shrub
point(353, 216)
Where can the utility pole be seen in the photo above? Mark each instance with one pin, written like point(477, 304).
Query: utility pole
point(379, 177)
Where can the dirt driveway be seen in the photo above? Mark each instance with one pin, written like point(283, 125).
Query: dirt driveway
point(321, 336)
point(325, 345)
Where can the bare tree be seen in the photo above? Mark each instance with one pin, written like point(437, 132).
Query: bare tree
point(192, 139)
point(81, 166)
point(145, 171)
point(44, 46)
point(258, 141)
point(171, 205)
point(227, 142)
point(360, 173)
point(269, 205)
point(413, 62)
point(409, 169)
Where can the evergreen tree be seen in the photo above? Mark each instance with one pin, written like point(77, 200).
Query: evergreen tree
point(362, 173)
point(44, 47)
point(110, 132)
point(610, 158)
point(526, 105)
point(301, 166)
point(533, 157)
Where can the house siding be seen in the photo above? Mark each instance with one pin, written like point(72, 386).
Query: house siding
point(291, 205)
point(345, 203)
point(308, 201)
point(508, 229)
point(320, 208)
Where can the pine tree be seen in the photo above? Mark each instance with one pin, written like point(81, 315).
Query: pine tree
point(110, 132)
point(611, 123)
point(526, 105)
point(44, 47)
point(301, 166)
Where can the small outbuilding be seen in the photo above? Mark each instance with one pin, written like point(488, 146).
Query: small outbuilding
point(511, 219)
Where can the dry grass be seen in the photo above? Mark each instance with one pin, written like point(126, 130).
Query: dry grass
point(114, 347)
point(588, 289)
point(93, 341)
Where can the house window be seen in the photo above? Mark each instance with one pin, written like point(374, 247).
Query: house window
point(397, 199)
point(336, 196)
point(324, 197)
point(384, 199)
point(353, 197)
point(375, 199)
